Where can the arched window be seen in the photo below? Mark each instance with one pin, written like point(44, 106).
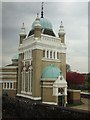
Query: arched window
point(50, 54)
point(23, 78)
point(57, 55)
point(30, 79)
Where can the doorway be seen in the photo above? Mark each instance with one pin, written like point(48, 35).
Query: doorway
point(61, 100)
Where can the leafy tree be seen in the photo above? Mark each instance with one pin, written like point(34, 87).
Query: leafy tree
point(87, 82)
point(68, 68)
point(75, 79)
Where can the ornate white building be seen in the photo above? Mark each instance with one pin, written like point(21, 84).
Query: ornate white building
point(42, 63)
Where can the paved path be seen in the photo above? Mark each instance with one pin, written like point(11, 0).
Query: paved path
point(85, 106)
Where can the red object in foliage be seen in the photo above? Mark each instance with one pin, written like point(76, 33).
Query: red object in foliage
point(75, 78)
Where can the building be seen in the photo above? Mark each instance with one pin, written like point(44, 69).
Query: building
point(8, 76)
point(42, 63)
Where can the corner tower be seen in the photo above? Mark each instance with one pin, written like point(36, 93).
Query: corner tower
point(61, 33)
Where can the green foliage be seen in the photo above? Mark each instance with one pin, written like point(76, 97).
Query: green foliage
point(75, 104)
point(5, 93)
point(87, 82)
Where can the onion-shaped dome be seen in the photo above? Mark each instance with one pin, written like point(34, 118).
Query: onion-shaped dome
point(45, 24)
point(46, 27)
point(51, 71)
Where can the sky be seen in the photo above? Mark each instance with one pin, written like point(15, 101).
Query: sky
point(75, 20)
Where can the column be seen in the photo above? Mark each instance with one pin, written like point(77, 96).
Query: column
point(49, 54)
point(52, 54)
point(22, 80)
point(56, 55)
point(9, 85)
point(65, 91)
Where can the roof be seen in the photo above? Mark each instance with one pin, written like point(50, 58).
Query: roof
point(45, 24)
point(51, 71)
point(46, 27)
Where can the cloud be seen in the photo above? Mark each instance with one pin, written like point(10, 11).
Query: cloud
point(75, 21)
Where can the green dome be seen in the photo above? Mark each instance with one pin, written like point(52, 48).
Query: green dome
point(51, 71)
point(45, 24)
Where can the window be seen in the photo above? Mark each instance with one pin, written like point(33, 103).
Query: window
point(25, 55)
point(50, 54)
point(60, 90)
point(30, 79)
point(4, 85)
point(43, 53)
point(11, 85)
point(57, 55)
point(7, 85)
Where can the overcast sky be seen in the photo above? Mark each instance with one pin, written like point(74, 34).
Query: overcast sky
point(75, 20)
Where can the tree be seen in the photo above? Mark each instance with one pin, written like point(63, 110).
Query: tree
point(75, 79)
point(87, 82)
point(68, 68)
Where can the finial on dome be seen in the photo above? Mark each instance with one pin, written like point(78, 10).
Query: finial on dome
point(37, 14)
point(61, 22)
point(23, 24)
point(42, 10)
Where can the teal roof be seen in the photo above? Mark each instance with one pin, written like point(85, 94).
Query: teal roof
point(45, 24)
point(51, 71)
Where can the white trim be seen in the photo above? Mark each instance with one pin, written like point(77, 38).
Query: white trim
point(46, 41)
point(29, 93)
point(26, 96)
point(73, 90)
point(85, 93)
point(47, 79)
point(6, 73)
point(7, 81)
point(47, 86)
point(54, 60)
point(24, 92)
point(51, 103)
point(47, 83)
point(6, 67)
point(8, 89)
point(27, 60)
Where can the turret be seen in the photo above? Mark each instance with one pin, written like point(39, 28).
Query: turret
point(22, 33)
point(62, 33)
point(37, 28)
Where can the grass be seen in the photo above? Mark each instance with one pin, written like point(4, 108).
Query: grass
point(74, 104)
